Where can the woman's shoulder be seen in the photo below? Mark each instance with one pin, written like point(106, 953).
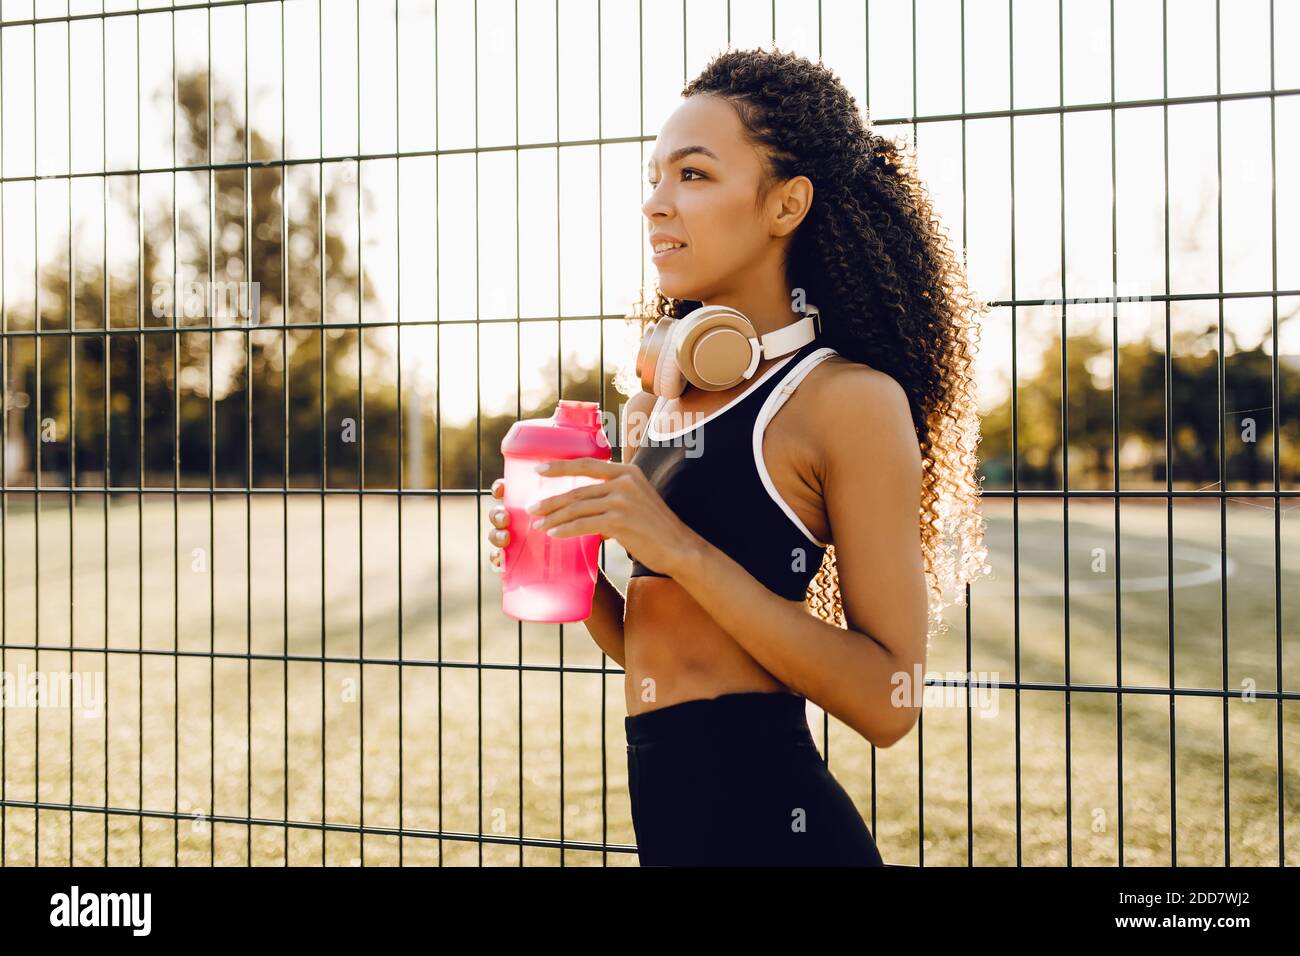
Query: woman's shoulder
point(846, 397)
point(839, 381)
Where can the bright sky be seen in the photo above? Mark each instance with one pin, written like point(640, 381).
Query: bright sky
point(576, 240)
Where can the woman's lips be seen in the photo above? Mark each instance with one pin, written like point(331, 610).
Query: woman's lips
point(661, 256)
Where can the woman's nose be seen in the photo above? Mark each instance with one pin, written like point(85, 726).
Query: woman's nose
point(655, 204)
point(653, 209)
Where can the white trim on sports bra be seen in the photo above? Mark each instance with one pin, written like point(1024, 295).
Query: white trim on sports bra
point(655, 435)
point(775, 399)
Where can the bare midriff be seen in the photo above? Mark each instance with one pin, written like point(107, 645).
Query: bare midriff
point(675, 650)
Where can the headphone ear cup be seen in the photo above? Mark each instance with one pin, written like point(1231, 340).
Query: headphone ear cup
point(654, 355)
point(717, 350)
point(668, 381)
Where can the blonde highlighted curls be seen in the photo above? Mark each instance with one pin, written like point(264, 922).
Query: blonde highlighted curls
point(875, 259)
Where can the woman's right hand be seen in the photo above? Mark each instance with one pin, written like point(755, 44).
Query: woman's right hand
point(499, 535)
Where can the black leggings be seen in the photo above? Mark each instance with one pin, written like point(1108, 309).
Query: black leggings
point(737, 780)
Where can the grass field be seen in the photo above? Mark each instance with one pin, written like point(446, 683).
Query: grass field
point(443, 747)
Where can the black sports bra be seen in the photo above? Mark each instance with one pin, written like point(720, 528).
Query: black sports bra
point(712, 475)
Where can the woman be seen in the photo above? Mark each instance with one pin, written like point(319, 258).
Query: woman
point(767, 192)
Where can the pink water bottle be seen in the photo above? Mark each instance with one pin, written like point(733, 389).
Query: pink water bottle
point(543, 578)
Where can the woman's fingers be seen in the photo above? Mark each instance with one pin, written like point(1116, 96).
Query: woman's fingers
point(601, 489)
point(500, 519)
point(578, 508)
point(583, 526)
point(498, 535)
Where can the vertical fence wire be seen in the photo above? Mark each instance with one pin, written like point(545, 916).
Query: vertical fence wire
point(72, 444)
point(1169, 447)
point(1278, 676)
point(246, 181)
point(175, 345)
point(139, 511)
point(519, 413)
point(1114, 451)
point(284, 386)
point(1223, 457)
point(920, 721)
point(108, 393)
point(1015, 411)
point(36, 494)
point(401, 459)
point(361, 479)
point(559, 386)
point(965, 261)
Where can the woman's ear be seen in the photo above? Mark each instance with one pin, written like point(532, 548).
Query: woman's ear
point(790, 202)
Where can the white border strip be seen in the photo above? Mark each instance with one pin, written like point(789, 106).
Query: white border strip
point(656, 435)
point(774, 401)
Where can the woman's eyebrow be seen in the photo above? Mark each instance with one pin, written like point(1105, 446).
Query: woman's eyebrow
point(683, 152)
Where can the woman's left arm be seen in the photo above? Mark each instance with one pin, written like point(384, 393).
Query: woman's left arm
point(870, 471)
point(871, 483)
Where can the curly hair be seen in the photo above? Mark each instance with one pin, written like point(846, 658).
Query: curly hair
point(874, 257)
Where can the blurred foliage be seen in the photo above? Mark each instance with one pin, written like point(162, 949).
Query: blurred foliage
point(1091, 409)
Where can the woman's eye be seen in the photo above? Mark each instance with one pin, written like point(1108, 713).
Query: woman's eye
point(653, 183)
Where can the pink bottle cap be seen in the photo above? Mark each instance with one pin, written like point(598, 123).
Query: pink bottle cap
point(574, 430)
point(580, 414)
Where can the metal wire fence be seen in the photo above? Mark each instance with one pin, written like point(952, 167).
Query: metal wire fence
point(230, 502)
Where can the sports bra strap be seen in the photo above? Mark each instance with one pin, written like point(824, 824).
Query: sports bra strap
point(793, 378)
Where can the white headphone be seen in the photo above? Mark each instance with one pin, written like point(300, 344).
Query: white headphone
point(714, 348)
